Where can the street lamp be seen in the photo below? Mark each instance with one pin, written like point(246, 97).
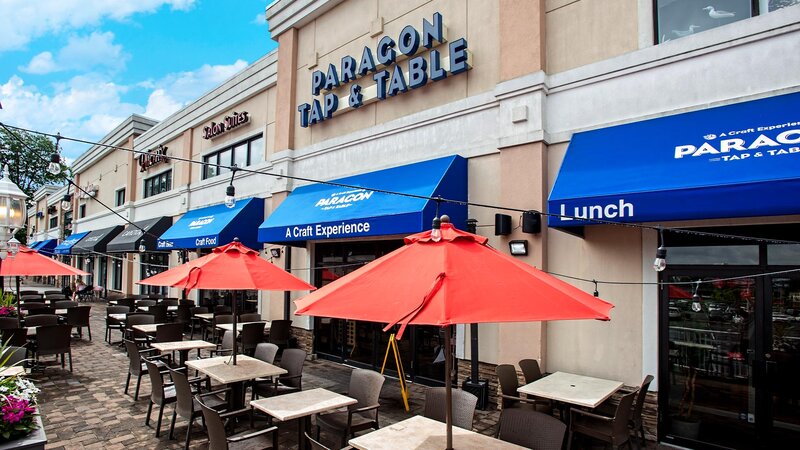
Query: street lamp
point(12, 213)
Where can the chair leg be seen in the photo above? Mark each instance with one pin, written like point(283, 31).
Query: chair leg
point(569, 440)
point(189, 433)
point(89, 329)
point(138, 384)
point(158, 424)
point(70, 360)
point(149, 410)
point(127, 383)
point(172, 425)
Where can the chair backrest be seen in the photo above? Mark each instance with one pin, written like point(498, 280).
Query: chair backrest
point(32, 297)
point(15, 336)
point(266, 352)
point(222, 309)
point(147, 303)
point(53, 339)
point(159, 313)
point(49, 310)
point(217, 440)
point(156, 382)
point(189, 303)
point(169, 332)
point(365, 387)
point(199, 310)
point(292, 360)
point(79, 315)
point(252, 335)
point(507, 378)
point(279, 331)
point(223, 318)
point(183, 392)
point(41, 320)
point(249, 317)
point(11, 355)
point(619, 425)
point(227, 340)
point(51, 291)
point(184, 314)
point(531, 429)
point(139, 319)
point(28, 292)
point(9, 322)
point(64, 304)
point(127, 301)
point(638, 405)
point(530, 370)
point(169, 302)
point(117, 310)
point(315, 444)
point(58, 296)
point(463, 406)
point(134, 358)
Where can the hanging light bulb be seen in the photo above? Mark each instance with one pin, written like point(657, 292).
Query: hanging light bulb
point(436, 231)
point(55, 159)
point(660, 262)
point(66, 203)
point(13, 247)
point(230, 191)
point(142, 248)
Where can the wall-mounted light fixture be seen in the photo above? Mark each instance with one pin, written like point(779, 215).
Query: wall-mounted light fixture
point(275, 252)
point(518, 248)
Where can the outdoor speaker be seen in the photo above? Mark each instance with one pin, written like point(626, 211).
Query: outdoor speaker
point(531, 222)
point(502, 224)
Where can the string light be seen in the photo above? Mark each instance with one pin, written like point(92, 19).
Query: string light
point(230, 191)
point(660, 262)
point(55, 158)
point(66, 201)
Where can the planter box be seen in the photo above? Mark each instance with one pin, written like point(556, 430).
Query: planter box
point(34, 441)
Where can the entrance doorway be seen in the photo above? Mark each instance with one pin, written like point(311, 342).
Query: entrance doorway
point(730, 346)
point(363, 344)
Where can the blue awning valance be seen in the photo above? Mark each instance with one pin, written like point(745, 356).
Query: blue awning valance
point(65, 247)
point(216, 225)
point(322, 211)
point(45, 247)
point(740, 160)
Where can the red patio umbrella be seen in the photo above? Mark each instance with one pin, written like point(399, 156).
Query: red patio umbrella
point(29, 262)
point(233, 267)
point(457, 279)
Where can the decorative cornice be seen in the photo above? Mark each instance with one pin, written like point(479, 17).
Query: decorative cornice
point(285, 14)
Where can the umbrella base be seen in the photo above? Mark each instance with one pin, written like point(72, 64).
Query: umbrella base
point(479, 389)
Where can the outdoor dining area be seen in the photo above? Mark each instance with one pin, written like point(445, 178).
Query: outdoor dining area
point(240, 375)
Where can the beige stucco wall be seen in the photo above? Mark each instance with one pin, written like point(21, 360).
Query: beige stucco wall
point(580, 32)
point(350, 26)
point(109, 173)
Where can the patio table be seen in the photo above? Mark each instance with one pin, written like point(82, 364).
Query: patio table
point(170, 308)
point(147, 328)
point(572, 389)
point(421, 433)
point(120, 317)
point(240, 325)
point(182, 347)
point(205, 316)
point(12, 371)
point(302, 405)
point(221, 369)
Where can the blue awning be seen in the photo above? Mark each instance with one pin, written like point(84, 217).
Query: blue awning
point(215, 225)
point(65, 247)
point(33, 244)
point(45, 247)
point(322, 211)
point(740, 160)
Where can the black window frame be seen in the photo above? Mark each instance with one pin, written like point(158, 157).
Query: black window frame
point(119, 197)
point(213, 158)
point(152, 263)
point(116, 274)
point(157, 184)
point(53, 222)
point(82, 211)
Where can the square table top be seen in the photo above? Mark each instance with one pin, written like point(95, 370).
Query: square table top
point(205, 316)
point(181, 345)
point(121, 316)
point(240, 325)
point(147, 327)
point(221, 368)
point(421, 433)
point(570, 388)
point(31, 331)
point(299, 404)
point(147, 308)
point(11, 371)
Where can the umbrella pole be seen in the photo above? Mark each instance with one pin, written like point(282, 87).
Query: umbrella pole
point(448, 388)
point(17, 287)
point(233, 308)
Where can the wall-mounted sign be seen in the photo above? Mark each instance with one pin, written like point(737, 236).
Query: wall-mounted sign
point(390, 81)
point(152, 158)
point(227, 124)
point(88, 191)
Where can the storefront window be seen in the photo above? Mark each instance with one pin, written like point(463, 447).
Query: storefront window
point(680, 18)
point(116, 275)
point(242, 154)
point(714, 255)
point(765, 6)
point(158, 184)
point(783, 255)
point(151, 264)
point(53, 221)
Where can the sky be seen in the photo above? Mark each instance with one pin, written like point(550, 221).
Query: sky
point(81, 67)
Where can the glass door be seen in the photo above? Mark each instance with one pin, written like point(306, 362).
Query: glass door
point(782, 362)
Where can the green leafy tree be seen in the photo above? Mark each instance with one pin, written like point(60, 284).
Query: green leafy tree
point(27, 163)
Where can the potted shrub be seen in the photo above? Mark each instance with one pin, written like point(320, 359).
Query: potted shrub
point(20, 424)
point(7, 306)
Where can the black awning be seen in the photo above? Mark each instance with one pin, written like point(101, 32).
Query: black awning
point(96, 241)
point(133, 236)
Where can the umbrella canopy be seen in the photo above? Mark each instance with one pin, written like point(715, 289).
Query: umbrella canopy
point(29, 262)
point(458, 279)
point(233, 267)
point(454, 279)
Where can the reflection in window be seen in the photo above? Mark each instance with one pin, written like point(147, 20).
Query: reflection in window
point(713, 255)
point(680, 18)
point(783, 255)
point(242, 154)
point(765, 6)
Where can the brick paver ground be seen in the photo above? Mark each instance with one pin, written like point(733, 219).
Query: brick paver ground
point(87, 408)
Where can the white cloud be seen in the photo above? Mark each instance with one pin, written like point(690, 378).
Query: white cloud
point(81, 53)
point(25, 20)
point(177, 90)
point(260, 19)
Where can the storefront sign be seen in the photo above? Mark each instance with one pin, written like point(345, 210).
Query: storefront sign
point(390, 81)
point(88, 191)
point(755, 142)
point(152, 158)
point(228, 123)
